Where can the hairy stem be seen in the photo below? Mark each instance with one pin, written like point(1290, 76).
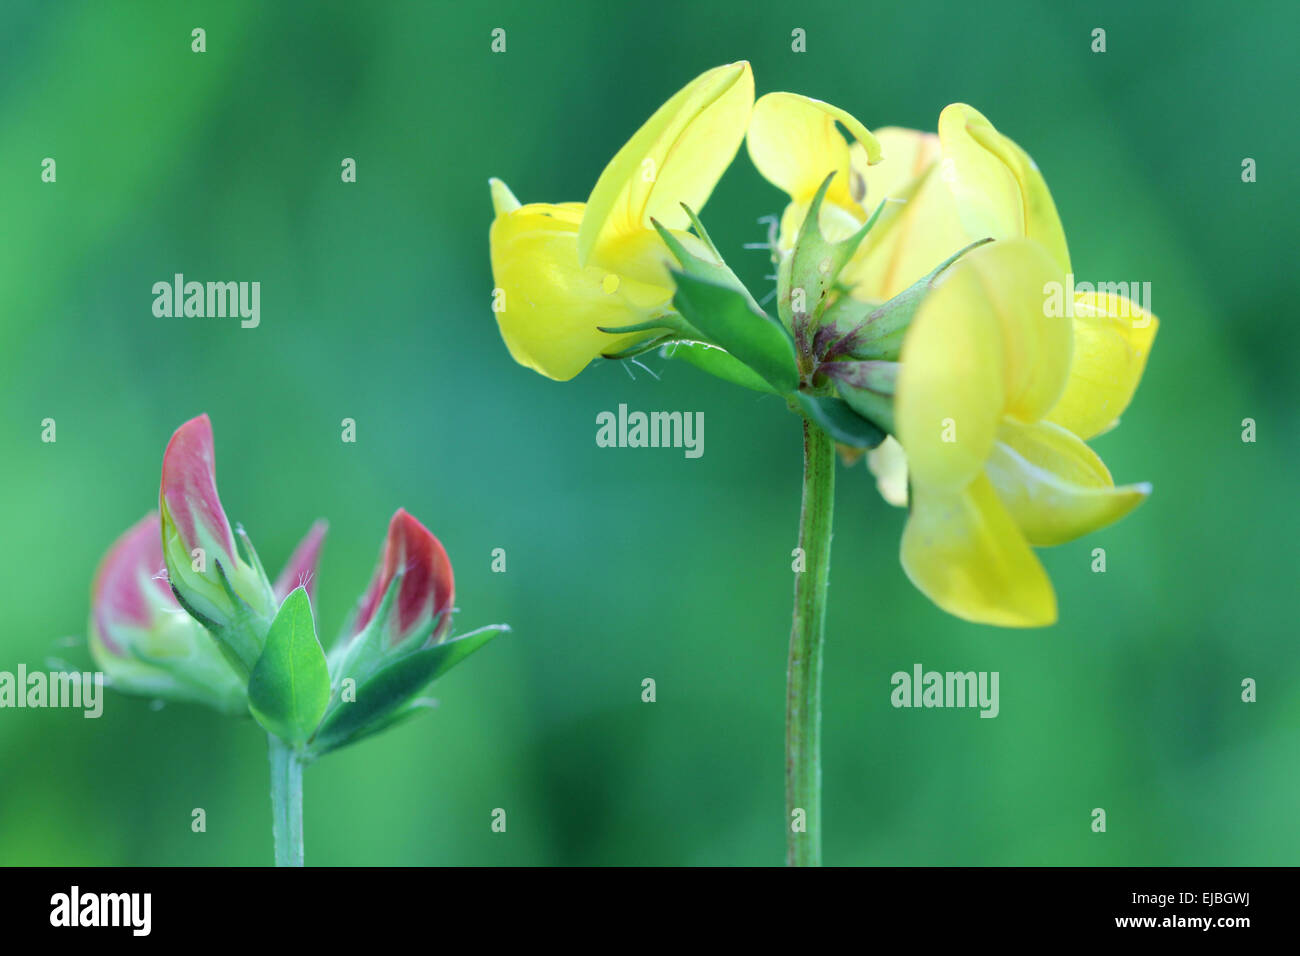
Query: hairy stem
point(803, 715)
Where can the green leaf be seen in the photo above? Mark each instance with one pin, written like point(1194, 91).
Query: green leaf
point(726, 317)
point(392, 686)
point(840, 421)
point(289, 687)
point(717, 361)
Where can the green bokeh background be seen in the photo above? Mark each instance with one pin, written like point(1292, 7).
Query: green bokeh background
point(626, 564)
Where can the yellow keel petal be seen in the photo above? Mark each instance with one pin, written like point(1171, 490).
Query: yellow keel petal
point(963, 551)
point(1054, 486)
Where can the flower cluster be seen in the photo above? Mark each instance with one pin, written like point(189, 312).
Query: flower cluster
point(182, 609)
point(914, 317)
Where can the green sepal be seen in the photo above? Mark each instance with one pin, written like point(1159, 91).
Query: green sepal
point(240, 642)
point(669, 322)
point(839, 420)
point(876, 331)
point(814, 265)
point(289, 687)
point(393, 685)
point(632, 351)
point(729, 318)
point(718, 362)
point(357, 656)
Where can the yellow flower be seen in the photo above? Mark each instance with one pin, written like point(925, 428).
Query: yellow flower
point(996, 393)
point(944, 191)
point(564, 271)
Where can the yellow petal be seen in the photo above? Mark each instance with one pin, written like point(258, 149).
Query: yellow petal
point(982, 346)
point(1011, 279)
point(795, 144)
point(888, 462)
point(963, 551)
point(950, 387)
point(1054, 486)
point(1112, 338)
point(553, 306)
point(677, 157)
point(998, 190)
point(918, 229)
point(905, 155)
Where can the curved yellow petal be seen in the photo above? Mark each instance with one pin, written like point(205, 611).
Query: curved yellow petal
point(1112, 338)
point(677, 157)
point(795, 144)
point(998, 190)
point(964, 552)
point(950, 387)
point(549, 307)
point(888, 462)
point(1011, 279)
point(1054, 486)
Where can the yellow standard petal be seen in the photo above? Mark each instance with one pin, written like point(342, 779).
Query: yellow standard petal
point(1054, 486)
point(918, 227)
point(964, 552)
point(548, 307)
point(795, 143)
point(1112, 339)
point(677, 157)
point(998, 190)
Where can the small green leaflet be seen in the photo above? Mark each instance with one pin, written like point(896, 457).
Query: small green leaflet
point(289, 687)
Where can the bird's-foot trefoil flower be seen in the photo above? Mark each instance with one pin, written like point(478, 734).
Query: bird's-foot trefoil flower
point(912, 325)
point(182, 609)
point(399, 640)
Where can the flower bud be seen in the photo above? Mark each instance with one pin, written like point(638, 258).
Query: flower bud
point(222, 590)
point(421, 608)
point(143, 640)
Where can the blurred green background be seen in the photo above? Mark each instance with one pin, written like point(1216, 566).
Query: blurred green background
point(634, 563)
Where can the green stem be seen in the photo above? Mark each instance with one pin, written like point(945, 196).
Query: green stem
point(803, 714)
point(286, 803)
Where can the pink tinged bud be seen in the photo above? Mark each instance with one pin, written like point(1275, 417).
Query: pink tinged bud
point(424, 598)
point(130, 592)
point(300, 571)
point(142, 639)
point(198, 546)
